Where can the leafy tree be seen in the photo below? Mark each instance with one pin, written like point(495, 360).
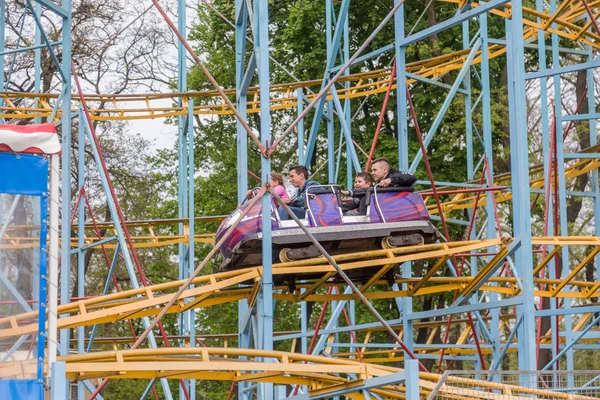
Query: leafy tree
point(297, 35)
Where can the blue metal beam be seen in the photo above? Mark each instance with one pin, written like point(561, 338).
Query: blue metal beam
point(94, 244)
point(582, 156)
point(241, 99)
point(469, 128)
point(570, 343)
point(512, 247)
point(595, 63)
point(331, 324)
point(37, 61)
point(185, 183)
point(148, 389)
point(241, 22)
point(16, 346)
point(520, 184)
point(366, 57)
point(405, 304)
point(300, 96)
point(411, 384)
point(121, 240)
point(23, 49)
point(248, 75)
point(451, 185)
point(529, 45)
point(568, 192)
point(338, 33)
point(332, 52)
point(451, 220)
point(401, 89)
point(496, 360)
point(466, 308)
point(91, 388)
point(47, 42)
point(81, 240)
point(466, 82)
point(340, 329)
point(562, 188)
point(346, 130)
point(191, 314)
point(366, 384)
point(447, 101)
point(332, 171)
point(303, 325)
point(107, 286)
point(457, 19)
point(59, 382)
point(594, 181)
point(487, 142)
point(581, 117)
point(55, 8)
point(65, 263)
point(434, 82)
point(478, 99)
point(345, 117)
point(417, 346)
point(265, 295)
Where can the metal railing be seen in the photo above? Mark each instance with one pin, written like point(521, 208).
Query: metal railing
point(518, 384)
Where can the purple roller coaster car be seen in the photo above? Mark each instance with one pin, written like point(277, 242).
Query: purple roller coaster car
point(394, 217)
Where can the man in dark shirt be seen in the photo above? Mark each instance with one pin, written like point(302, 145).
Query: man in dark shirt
point(386, 176)
point(299, 179)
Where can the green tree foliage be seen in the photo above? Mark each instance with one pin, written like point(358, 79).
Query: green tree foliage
point(297, 42)
point(297, 34)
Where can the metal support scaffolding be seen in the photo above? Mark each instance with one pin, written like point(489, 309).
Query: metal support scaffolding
point(518, 276)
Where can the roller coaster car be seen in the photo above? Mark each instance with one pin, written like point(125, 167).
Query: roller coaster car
point(394, 217)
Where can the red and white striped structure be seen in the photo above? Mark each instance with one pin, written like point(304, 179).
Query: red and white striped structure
point(36, 138)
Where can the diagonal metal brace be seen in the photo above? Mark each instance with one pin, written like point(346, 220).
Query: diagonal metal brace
point(345, 277)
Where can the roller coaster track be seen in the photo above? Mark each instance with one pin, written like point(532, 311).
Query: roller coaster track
point(387, 355)
point(461, 201)
point(145, 241)
point(235, 285)
point(566, 22)
point(226, 338)
point(368, 333)
point(147, 234)
point(324, 377)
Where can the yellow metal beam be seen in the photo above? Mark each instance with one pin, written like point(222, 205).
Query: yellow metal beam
point(223, 287)
point(461, 201)
point(283, 96)
point(320, 374)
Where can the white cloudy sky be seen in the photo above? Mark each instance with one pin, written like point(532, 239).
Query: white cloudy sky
point(161, 134)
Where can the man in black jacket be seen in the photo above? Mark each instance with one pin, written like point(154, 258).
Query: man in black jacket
point(386, 176)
